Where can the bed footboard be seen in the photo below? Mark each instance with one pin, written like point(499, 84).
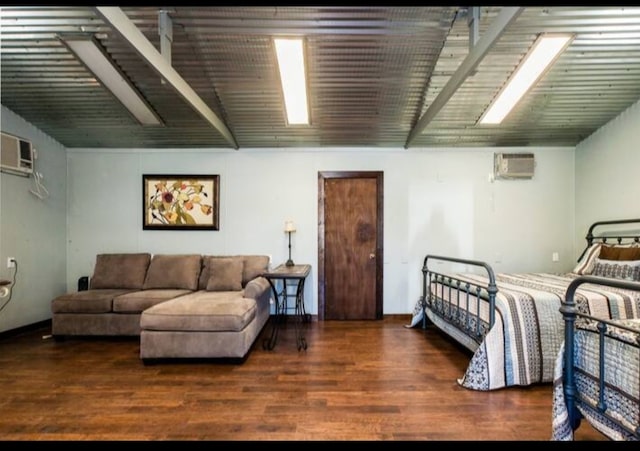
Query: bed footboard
point(458, 301)
point(601, 370)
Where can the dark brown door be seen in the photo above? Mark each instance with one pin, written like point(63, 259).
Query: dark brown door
point(350, 245)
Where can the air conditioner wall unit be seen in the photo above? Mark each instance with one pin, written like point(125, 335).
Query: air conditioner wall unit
point(519, 165)
point(16, 155)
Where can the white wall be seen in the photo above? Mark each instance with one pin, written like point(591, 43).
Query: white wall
point(33, 230)
point(435, 201)
point(607, 185)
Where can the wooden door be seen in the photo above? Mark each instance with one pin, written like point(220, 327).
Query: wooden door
point(350, 250)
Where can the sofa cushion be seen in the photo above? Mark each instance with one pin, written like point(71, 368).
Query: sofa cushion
point(88, 301)
point(254, 265)
point(201, 311)
point(225, 274)
point(256, 288)
point(138, 301)
point(204, 275)
point(120, 271)
point(179, 271)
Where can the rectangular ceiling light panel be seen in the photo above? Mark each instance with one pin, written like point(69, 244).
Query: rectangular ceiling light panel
point(98, 62)
point(290, 54)
point(543, 53)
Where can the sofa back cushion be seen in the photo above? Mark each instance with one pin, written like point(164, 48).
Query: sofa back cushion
point(120, 271)
point(179, 271)
point(252, 267)
point(225, 274)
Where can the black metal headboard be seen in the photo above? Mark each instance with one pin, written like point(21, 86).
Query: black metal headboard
point(618, 237)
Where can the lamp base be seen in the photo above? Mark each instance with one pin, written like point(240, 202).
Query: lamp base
point(289, 263)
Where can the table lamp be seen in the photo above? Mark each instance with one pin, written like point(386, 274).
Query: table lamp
point(289, 228)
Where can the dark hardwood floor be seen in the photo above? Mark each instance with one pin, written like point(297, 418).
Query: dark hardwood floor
point(358, 380)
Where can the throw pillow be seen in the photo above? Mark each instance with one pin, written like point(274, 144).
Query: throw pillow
point(608, 252)
point(204, 275)
point(225, 274)
point(629, 253)
point(619, 252)
point(173, 271)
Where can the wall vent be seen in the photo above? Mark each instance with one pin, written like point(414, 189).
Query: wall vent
point(16, 155)
point(514, 165)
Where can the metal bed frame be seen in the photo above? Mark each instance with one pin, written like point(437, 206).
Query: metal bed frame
point(573, 398)
point(447, 308)
point(462, 291)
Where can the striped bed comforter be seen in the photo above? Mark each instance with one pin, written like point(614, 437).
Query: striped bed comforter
point(522, 346)
point(621, 390)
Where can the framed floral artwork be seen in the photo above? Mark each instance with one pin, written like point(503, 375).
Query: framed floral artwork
point(180, 202)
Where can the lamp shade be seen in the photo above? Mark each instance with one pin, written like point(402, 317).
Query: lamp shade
point(289, 227)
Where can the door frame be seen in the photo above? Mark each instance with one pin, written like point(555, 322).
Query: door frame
point(379, 177)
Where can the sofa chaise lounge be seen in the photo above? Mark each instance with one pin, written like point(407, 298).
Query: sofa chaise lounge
point(181, 306)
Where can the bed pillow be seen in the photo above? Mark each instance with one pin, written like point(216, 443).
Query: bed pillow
point(617, 269)
point(631, 252)
point(225, 274)
point(588, 260)
point(608, 252)
point(619, 252)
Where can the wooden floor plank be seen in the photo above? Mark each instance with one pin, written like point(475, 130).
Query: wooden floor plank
point(357, 380)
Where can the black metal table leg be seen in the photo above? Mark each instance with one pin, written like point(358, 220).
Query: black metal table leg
point(300, 316)
point(270, 343)
point(283, 273)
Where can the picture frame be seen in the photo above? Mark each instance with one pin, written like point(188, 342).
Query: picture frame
point(180, 202)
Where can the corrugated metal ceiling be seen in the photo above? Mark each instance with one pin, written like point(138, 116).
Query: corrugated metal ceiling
point(373, 72)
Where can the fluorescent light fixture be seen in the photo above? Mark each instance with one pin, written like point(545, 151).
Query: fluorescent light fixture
point(290, 54)
point(544, 52)
point(95, 58)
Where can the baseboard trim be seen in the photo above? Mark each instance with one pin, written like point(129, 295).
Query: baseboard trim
point(404, 316)
point(47, 324)
point(25, 329)
point(407, 316)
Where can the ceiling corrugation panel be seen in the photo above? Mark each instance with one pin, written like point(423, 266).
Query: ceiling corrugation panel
point(367, 67)
point(594, 80)
point(373, 72)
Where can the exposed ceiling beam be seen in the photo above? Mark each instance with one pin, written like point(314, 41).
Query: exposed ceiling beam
point(131, 34)
point(506, 16)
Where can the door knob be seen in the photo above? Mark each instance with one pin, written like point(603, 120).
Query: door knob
point(372, 256)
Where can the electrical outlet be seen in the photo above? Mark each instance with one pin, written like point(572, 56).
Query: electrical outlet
point(555, 257)
point(11, 262)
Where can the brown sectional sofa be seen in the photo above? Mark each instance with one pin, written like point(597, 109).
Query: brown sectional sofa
point(181, 306)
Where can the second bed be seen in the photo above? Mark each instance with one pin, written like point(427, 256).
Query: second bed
point(512, 322)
